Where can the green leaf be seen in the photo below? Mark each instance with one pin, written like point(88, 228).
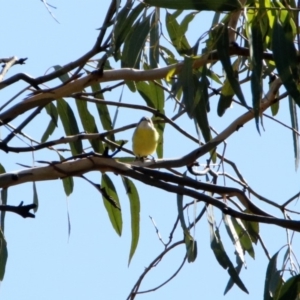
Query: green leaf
point(219, 251)
point(167, 55)
point(64, 77)
point(154, 40)
point(68, 182)
point(180, 211)
point(160, 127)
point(275, 108)
point(184, 25)
point(52, 112)
point(191, 247)
point(104, 115)
point(215, 5)
point(234, 238)
point(114, 213)
point(131, 85)
point(190, 243)
point(271, 271)
point(124, 23)
point(134, 200)
point(243, 236)
point(294, 121)
point(252, 228)
point(3, 202)
point(135, 43)
point(70, 125)
point(223, 52)
point(227, 91)
point(284, 56)
point(226, 97)
point(189, 84)
point(35, 198)
point(217, 247)
point(211, 74)
point(236, 278)
point(256, 56)
point(88, 123)
point(290, 289)
point(202, 106)
point(152, 94)
point(176, 34)
point(127, 159)
point(230, 283)
point(2, 169)
point(3, 255)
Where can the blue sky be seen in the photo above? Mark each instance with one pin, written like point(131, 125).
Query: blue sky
point(92, 263)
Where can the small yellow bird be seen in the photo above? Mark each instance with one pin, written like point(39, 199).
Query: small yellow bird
point(145, 138)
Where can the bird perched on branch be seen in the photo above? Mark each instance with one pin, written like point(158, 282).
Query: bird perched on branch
point(145, 138)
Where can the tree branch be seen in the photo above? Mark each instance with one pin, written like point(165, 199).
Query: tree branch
point(45, 97)
point(22, 210)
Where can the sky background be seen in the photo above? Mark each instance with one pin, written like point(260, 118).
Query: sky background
point(92, 263)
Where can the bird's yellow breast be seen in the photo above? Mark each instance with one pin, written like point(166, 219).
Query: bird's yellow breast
point(144, 141)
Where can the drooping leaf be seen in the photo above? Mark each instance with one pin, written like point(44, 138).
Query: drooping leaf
point(190, 243)
point(3, 202)
point(294, 121)
point(63, 77)
point(167, 55)
point(152, 94)
point(202, 106)
point(191, 247)
point(113, 211)
point(290, 289)
point(68, 182)
point(284, 56)
point(216, 244)
point(215, 5)
point(2, 169)
point(189, 84)
point(252, 228)
point(134, 200)
point(154, 40)
point(184, 25)
point(226, 97)
point(275, 108)
point(52, 112)
point(269, 290)
point(256, 56)
point(223, 52)
point(180, 211)
point(227, 91)
point(176, 33)
point(243, 236)
point(232, 271)
point(70, 124)
point(234, 238)
point(3, 254)
point(230, 283)
point(135, 42)
point(220, 253)
point(88, 123)
point(35, 198)
point(126, 17)
point(211, 74)
point(160, 127)
point(104, 115)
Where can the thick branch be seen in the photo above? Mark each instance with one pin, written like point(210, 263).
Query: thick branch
point(79, 167)
point(78, 85)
